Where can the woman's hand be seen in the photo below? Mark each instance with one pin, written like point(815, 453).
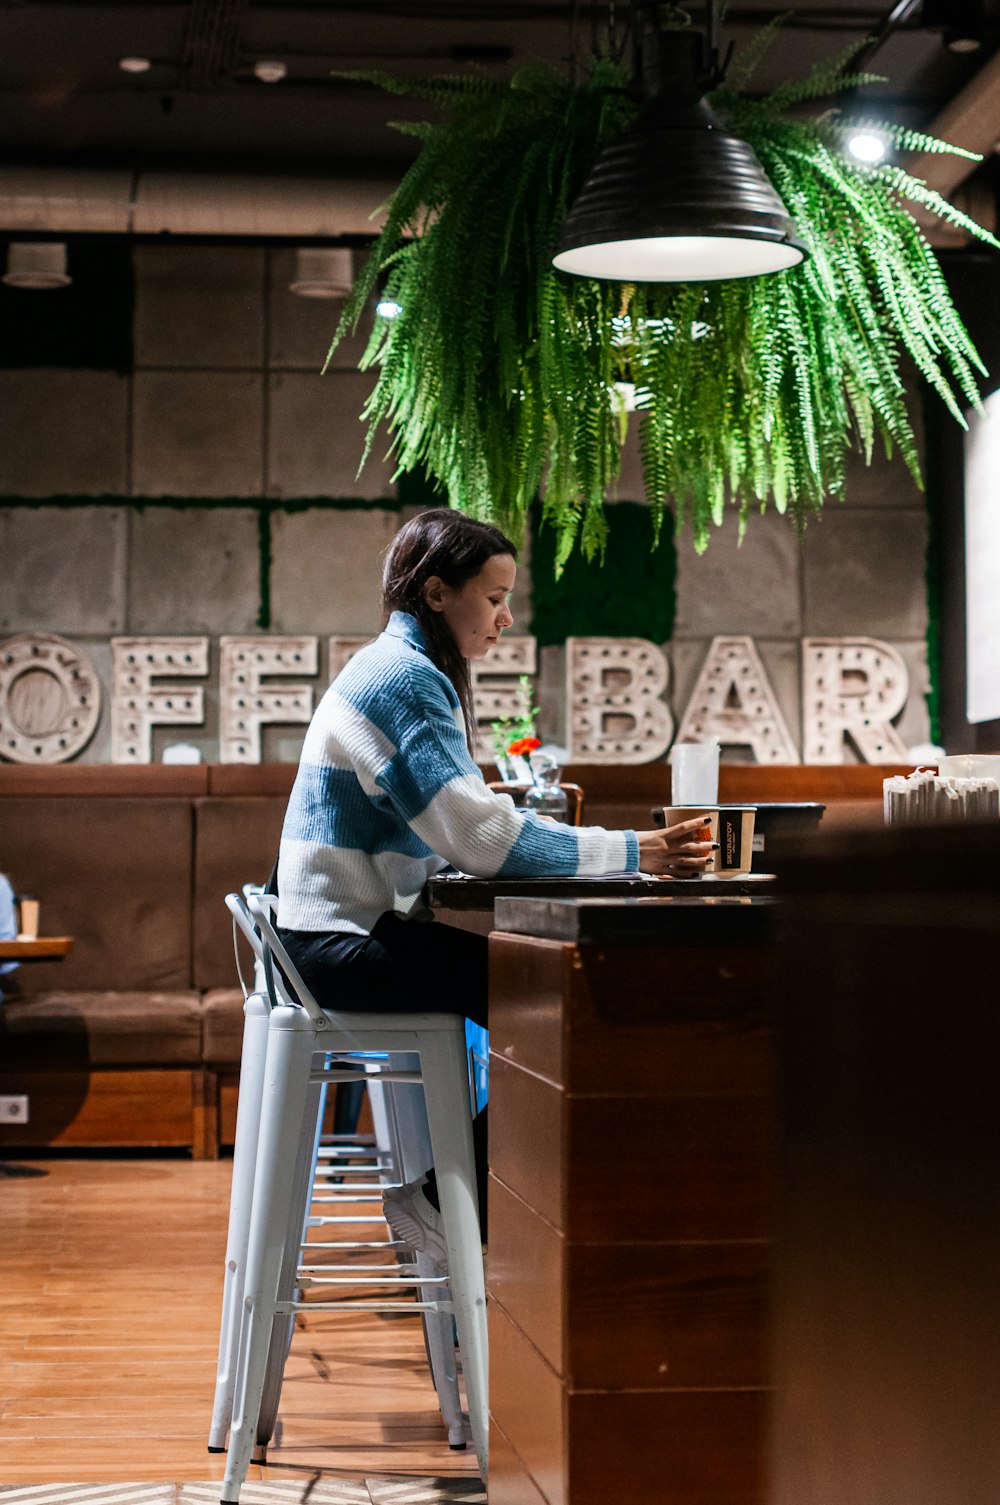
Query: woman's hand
point(681, 850)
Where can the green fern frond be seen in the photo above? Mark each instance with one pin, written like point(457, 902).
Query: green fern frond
point(749, 57)
point(497, 376)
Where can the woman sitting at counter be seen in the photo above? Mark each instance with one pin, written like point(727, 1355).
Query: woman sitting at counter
point(388, 793)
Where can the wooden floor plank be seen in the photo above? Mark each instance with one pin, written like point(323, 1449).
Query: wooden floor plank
point(109, 1311)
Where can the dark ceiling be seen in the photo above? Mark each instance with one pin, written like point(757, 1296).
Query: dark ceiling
point(64, 98)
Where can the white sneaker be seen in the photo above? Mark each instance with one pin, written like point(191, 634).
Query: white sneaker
point(414, 1221)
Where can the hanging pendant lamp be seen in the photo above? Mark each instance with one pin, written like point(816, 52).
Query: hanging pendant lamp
point(677, 199)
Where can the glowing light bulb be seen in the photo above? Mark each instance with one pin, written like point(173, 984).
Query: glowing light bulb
point(388, 308)
point(867, 147)
point(270, 70)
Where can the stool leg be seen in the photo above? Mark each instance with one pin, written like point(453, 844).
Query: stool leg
point(446, 1083)
point(414, 1156)
point(439, 1339)
point(290, 1045)
point(284, 1327)
point(256, 1012)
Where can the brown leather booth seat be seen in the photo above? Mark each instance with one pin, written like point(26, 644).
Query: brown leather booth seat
point(134, 1039)
point(102, 1029)
point(222, 1027)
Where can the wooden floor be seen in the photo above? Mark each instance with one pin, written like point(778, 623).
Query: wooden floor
point(110, 1285)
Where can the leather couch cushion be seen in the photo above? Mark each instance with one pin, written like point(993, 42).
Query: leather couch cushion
point(237, 842)
point(222, 1027)
point(115, 874)
point(63, 1029)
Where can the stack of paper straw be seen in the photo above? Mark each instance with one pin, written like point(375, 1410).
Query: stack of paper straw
point(925, 796)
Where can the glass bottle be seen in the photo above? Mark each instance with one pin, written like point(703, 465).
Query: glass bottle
point(545, 796)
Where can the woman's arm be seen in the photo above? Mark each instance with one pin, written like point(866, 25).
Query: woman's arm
point(439, 791)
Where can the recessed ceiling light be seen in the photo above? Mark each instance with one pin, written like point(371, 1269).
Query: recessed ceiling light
point(270, 70)
point(962, 42)
point(134, 64)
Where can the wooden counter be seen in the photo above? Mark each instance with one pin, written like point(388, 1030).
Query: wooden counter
point(886, 1299)
point(630, 1096)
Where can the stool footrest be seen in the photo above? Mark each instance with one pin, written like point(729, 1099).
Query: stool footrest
point(371, 1280)
point(292, 1308)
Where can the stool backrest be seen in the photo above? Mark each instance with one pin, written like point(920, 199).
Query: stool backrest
point(243, 922)
point(263, 907)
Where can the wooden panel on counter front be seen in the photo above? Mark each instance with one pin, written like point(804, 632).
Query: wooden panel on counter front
point(525, 1269)
point(629, 1223)
point(597, 1019)
point(676, 1448)
point(509, 1479)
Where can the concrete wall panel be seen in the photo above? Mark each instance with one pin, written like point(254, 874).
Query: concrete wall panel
point(63, 433)
point(316, 438)
point(199, 306)
point(197, 433)
point(193, 570)
point(63, 570)
point(753, 587)
point(863, 572)
point(326, 569)
point(884, 483)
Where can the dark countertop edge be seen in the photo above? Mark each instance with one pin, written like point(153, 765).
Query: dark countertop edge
point(456, 893)
point(661, 921)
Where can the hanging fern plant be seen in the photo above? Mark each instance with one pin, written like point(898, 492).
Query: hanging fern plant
point(502, 378)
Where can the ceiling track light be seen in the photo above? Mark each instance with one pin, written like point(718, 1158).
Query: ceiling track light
point(270, 70)
point(677, 199)
point(38, 265)
point(322, 272)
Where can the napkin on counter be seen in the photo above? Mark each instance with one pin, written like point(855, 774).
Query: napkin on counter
point(926, 796)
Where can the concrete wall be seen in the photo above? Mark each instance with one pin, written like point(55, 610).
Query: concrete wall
point(226, 401)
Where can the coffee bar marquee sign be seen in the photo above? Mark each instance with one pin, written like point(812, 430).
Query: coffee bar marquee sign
point(852, 688)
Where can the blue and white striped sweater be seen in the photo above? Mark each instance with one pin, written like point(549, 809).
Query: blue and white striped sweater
point(387, 795)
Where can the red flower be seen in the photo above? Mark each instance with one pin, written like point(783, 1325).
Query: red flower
point(522, 746)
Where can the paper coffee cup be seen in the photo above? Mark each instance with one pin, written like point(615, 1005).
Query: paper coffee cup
point(730, 825)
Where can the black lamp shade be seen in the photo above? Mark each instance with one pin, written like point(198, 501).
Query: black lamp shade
point(678, 199)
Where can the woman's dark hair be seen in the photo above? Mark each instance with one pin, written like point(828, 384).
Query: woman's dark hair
point(454, 547)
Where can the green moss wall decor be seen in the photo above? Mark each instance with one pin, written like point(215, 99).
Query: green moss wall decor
point(631, 594)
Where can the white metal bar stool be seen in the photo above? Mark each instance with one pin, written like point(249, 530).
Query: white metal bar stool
point(327, 1165)
point(297, 1031)
point(256, 1017)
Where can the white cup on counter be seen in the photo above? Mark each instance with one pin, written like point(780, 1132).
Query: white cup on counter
point(694, 773)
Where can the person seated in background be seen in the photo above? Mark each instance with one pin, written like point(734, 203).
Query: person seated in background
point(388, 793)
point(8, 924)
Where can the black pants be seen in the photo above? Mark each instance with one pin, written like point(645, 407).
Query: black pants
point(404, 966)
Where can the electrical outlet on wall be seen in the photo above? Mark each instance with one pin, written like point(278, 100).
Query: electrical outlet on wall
point(14, 1109)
